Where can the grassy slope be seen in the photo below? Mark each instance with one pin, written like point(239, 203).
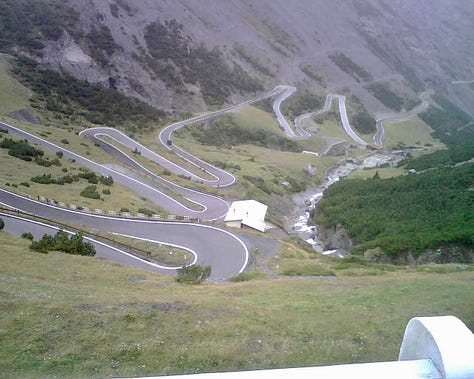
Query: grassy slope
point(71, 316)
point(13, 95)
point(412, 131)
point(260, 161)
point(14, 171)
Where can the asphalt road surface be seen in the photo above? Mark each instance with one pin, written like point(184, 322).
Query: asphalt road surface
point(222, 250)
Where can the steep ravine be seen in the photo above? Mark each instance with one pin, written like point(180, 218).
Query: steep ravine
point(337, 242)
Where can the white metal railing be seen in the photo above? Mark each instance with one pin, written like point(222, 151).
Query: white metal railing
point(432, 348)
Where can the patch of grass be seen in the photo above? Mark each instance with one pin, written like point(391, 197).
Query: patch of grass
point(13, 95)
point(408, 132)
point(251, 275)
point(250, 117)
point(329, 123)
point(54, 133)
point(385, 172)
point(17, 171)
point(332, 128)
point(272, 166)
point(75, 317)
point(302, 268)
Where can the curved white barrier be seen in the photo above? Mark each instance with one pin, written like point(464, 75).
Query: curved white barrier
point(445, 340)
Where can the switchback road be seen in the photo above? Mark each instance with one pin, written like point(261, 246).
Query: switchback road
point(222, 250)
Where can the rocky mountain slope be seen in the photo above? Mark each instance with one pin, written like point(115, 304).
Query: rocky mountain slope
point(192, 55)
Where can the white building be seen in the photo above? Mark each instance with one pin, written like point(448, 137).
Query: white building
point(248, 213)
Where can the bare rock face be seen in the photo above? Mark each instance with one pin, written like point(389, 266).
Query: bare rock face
point(27, 115)
point(65, 54)
point(334, 239)
point(413, 45)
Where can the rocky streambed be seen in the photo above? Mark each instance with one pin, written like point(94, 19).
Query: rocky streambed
point(334, 243)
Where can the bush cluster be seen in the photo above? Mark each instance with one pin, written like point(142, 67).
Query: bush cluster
point(195, 274)
point(146, 212)
point(21, 149)
point(61, 242)
point(48, 179)
point(90, 192)
point(364, 122)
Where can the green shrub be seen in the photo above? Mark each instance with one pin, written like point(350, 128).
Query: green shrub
point(2, 224)
point(90, 192)
point(146, 211)
point(43, 179)
point(106, 180)
point(246, 276)
point(364, 122)
point(27, 236)
point(195, 274)
point(42, 162)
point(90, 176)
point(61, 242)
point(65, 179)
point(21, 149)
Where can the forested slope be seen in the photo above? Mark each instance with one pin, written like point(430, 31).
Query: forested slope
point(410, 213)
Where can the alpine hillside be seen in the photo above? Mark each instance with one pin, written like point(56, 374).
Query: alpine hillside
point(195, 55)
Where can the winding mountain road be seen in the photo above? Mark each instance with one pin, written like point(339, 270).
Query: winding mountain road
point(223, 250)
point(327, 106)
point(226, 253)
